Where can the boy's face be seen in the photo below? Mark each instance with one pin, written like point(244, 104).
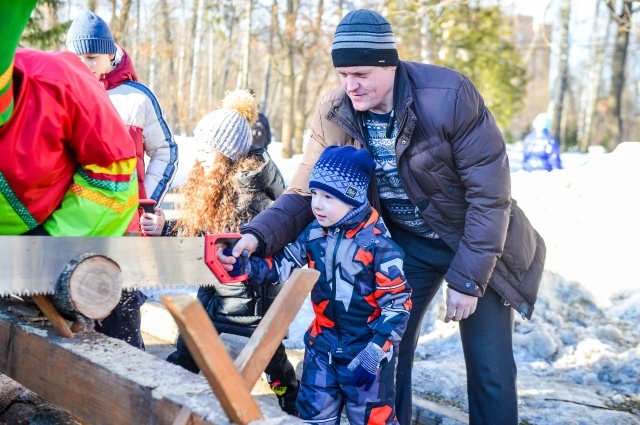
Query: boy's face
point(327, 208)
point(99, 64)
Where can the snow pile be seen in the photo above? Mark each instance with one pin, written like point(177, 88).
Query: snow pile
point(579, 357)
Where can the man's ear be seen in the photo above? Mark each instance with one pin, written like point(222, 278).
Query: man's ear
point(112, 57)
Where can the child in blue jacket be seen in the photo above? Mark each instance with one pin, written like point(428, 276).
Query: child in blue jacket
point(361, 300)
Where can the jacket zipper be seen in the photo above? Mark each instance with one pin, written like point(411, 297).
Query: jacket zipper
point(338, 237)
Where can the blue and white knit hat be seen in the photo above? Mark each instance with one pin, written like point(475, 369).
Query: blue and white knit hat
point(90, 34)
point(364, 38)
point(344, 172)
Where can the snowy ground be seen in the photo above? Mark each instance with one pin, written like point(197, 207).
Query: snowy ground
point(579, 356)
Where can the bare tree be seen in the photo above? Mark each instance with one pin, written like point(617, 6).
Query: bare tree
point(195, 59)
point(119, 22)
point(288, 75)
point(613, 116)
point(592, 83)
point(561, 83)
point(243, 81)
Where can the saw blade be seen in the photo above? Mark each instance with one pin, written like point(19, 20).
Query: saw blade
point(31, 265)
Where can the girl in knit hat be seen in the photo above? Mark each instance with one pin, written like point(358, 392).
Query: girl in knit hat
point(361, 300)
point(230, 183)
point(89, 37)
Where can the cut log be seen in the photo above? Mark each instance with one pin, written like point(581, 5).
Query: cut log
point(91, 284)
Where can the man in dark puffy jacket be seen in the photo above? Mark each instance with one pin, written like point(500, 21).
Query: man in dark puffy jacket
point(442, 182)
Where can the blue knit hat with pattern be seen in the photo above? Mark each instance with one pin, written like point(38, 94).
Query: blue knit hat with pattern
point(90, 34)
point(344, 172)
point(364, 38)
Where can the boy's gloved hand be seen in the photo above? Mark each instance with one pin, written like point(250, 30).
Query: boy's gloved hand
point(237, 266)
point(242, 264)
point(365, 366)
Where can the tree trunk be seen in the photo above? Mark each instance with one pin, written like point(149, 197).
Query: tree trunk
point(243, 81)
point(613, 126)
point(302, 78)
point(591, 84)
point(153, 63)
point(288, 92)
point(119, 23)
point(195, 59)
point(560, 86)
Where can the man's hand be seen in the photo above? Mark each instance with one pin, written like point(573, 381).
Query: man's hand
point(459, 305)
point(247, 241)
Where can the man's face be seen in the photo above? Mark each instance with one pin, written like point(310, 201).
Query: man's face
point(370, 88)
point(99, 64)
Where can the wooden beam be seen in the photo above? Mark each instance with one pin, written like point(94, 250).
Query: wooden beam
point(48, 309)
point(103, 381)
point(212, 358)
point(255, 355)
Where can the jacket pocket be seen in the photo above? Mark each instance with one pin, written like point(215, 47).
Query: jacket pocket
point(520, 244)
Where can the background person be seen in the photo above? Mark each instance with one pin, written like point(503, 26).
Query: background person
point(231, 183)
point(89, 37)
point(540, 150)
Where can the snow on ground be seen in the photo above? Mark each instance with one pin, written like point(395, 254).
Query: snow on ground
point(579, 357)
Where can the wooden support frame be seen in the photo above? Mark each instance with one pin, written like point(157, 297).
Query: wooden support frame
point(48, 309)
point(103, 381)
point(232, 383)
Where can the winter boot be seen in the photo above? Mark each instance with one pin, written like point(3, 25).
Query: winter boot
point(286, 397)
point(184, 361)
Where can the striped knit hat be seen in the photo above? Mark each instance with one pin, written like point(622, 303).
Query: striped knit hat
point(228, 129)
point(364, 38)
point(344, 172)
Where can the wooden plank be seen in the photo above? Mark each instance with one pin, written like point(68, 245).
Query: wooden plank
point(100, 380)
point(46, 306)
point(212, 358)
point(264, 341)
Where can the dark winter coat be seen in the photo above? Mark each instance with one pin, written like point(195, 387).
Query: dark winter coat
point(452, 162)
point(261, 131)
point(237, 308)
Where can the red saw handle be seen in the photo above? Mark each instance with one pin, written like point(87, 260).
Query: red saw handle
point(211, 259)
point(146, 206)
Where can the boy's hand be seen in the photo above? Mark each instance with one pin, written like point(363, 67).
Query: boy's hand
point(365, 366)
point(237, 266)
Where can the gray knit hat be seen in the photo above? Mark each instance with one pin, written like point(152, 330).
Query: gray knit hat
point(228, 129)
point(90, 34)
point(364, 38)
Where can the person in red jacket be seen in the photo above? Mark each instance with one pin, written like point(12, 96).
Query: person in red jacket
point(68, 166)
